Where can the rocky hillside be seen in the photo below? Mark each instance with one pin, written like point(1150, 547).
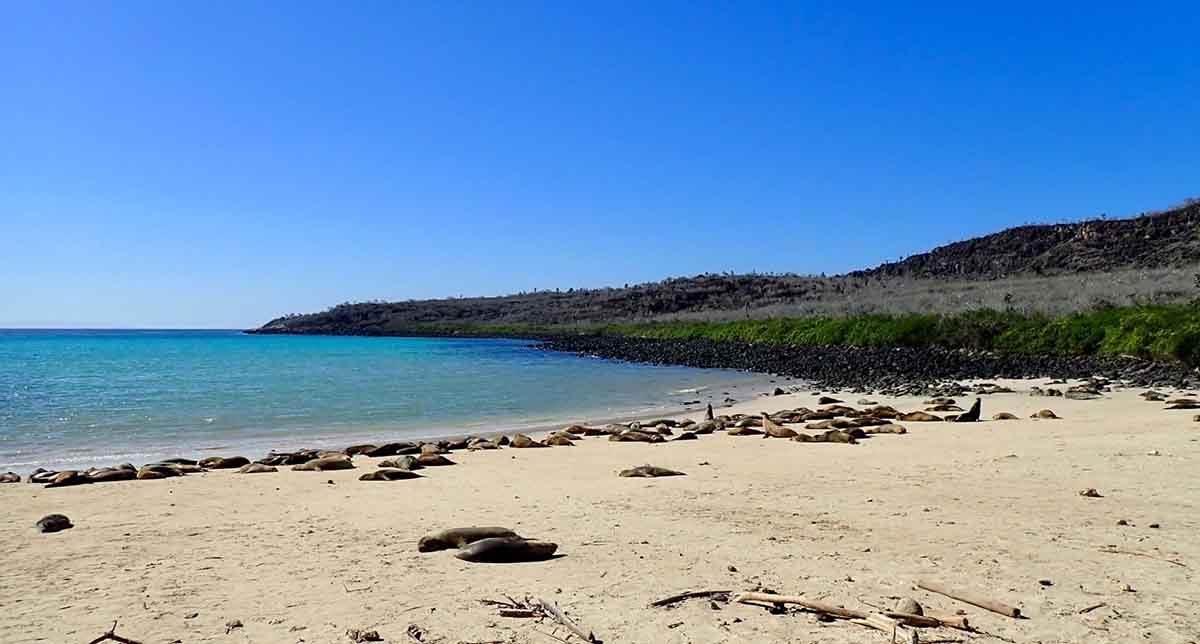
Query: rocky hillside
point(951, 277)
point(1170, 238)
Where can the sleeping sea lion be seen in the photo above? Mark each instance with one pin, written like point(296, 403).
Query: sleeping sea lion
point(256, 468)
point(110, 474)
point(402, 463)
point(10, 477)
point(434, 460)
point(1045, 413)
point(223, 463)
point(648, 472)
point(739, 430)
point(919, 417)
point(68, 478)
point(1004, 416)
point(523, 441)
point(507, 550)
point(389, 475)
point(460, 537)
point(53, 523)
point(325, 464)
point(157, 471)
point(559, 440)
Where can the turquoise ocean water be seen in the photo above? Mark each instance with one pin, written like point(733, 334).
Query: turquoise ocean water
point(82, 398)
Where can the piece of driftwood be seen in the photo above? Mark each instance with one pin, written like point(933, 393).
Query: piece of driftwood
point(553, 612)
point(819, 607)
point(1092, 607)
point(1117, 551)
point(112, 635)
point(691, 594)
point(890, 626)
point(982, 602)
point(930, 620)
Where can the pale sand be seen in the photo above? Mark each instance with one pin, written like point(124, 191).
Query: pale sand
point(991, 508)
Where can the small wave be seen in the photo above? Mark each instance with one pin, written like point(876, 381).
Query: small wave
point(690, 390)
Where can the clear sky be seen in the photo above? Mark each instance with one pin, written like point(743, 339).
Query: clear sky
point(216, 164)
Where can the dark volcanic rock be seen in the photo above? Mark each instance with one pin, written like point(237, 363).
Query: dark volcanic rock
point(896, 370)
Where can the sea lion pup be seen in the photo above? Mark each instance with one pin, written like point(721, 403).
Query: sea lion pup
point(325, 464)
point(1004, 416)
point(827, 400)
point(507, 550)
point(773, 429)
point(402, 463)
point(223, 463)
point(53, 523)
point(523, 441)
point(919, 417)
point(434, 460)
point(648, 472)
point(972, 414)
point(1045, 413)
point(256, 468)
point(10, 477)
point(68, 478)
point(460, 537)
point(708, 412)
point(389, 475)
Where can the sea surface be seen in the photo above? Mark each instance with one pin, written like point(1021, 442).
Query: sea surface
point(84, 398)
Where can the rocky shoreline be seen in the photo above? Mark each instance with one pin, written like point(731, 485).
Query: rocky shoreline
point(889, 370)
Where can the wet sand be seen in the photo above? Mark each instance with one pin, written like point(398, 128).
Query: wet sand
point(992, 508)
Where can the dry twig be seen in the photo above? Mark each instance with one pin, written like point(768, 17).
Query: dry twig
point(112, 635)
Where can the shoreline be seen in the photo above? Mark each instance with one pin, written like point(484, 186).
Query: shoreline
point(990, 507)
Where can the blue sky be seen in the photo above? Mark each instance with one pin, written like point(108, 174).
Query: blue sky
point(217, 164)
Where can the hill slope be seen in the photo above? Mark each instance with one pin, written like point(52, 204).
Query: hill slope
point(1032, 268)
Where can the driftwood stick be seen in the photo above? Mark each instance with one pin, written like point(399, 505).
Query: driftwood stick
point(519, 612)
point(930, 620)
point(559, 617)
point(674, 599)
point(820, 607)
point(982, 602)
point(1092, 607)
point(1117, 551)
point(889, 626)
point(112, 635)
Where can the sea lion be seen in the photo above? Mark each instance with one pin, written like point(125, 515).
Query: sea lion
point(256, 468)
point(1004, 416)
point(663, 430)
point(223, 463)
point(631, 436)
point(827, 400)
point(434, 460)
point(325, 464)
point(432, 448)
point(940, 401)
point(110, 474)
point(355, 450)
point(523, 441)
point(890, 428)
point(482, 443)
point(749, 422)
point(10, 477)
point(836, 423)
point(743, 430)
point(389, 475)
point(179, 461)
point(686, 436)
point(68, 478)
point(393, 449)
point(649, 472)
point(559, 440)
point(706, 427)
point(149, 472)
point(882, 411)
point(402, 463)
point(458, 443)
point(835, 436)
point(773, 429)
point(502, 441)
point(506, 550)
point(183, 468)
point(1183, 403)
point(708, 412)
point(919, 417)
point(460, 537)
point(1044, 413)
point(53, 523)
point(943, 408)
point(41, 476)
point(801, 437)
point(972, 414)
point(287, 458)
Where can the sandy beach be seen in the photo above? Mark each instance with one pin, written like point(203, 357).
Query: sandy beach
point(992, 508)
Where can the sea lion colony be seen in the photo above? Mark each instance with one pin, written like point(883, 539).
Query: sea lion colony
point(831, 422)
point(834, 422)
